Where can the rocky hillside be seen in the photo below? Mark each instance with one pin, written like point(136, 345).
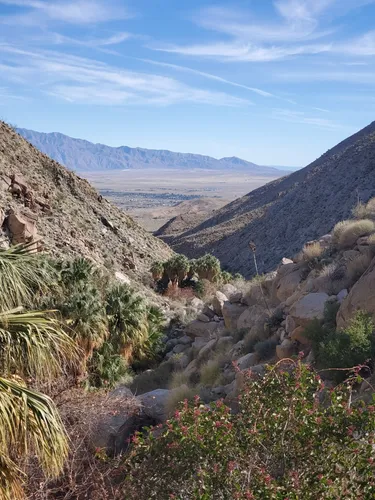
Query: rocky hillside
point(42, 201)
point(80, 155)
point(280, 216)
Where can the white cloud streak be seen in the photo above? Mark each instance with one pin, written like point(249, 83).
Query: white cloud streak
point(83, 80)
point(301, 118)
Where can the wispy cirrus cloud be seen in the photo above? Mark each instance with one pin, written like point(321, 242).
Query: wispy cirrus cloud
point(298, 30)
point(117, 38)
point(293, 116)
point(83, 80)
point(66, 11)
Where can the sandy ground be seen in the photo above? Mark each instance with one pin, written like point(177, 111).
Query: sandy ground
point(152, 196)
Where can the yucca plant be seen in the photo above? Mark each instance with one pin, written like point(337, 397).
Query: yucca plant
point(32, 345)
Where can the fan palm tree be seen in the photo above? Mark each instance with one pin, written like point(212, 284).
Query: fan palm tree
point(127, 318)
point(32, 344)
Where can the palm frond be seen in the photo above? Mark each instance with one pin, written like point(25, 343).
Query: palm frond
point(29, 424)
point(34, 344)
point(22, 275)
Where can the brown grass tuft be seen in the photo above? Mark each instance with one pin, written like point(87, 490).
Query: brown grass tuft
point(346, 235)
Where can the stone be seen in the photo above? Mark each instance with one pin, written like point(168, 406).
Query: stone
point(281, 334)
point(224, 342)
point(204, 353)
point(185, 340)
point(288, 278)
point(191, 369)
point(171, 343)
point(236, 297)
point(237, 350)
point(252, 316)
point(290, 324)
point(309, 307)
point(248, 361)
point(231, 314)
point(122, 278)
point(198, 329)
point(179, 348)
point(285, 349)
point(218, 301)
point(203, 318)
point(207, 311)
point(360, 298)
point(199, 342)
point(197, 303)
point(285, 261)
point(153, 404)
point(342, 295)
point(22, 228)
point(297, 295)
point(299, 335)
point(326, 240)
point(228, 290)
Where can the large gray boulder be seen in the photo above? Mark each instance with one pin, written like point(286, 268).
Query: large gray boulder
point(288, 278)
point(248, 361)
point(309, 307)
point(231, 314)
point(198, 329)
point(218, 301)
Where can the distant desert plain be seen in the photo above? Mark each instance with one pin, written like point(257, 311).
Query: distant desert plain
point(153, 197)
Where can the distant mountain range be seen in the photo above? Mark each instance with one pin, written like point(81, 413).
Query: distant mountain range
point(84, 156)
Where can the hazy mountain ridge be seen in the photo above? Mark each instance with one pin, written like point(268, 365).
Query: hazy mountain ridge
point(81, 155)
point(282, 215)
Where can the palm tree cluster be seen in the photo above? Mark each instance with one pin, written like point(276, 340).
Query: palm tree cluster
point(82, 322)
point(180, 271)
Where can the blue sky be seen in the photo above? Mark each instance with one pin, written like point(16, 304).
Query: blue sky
point(275, 82)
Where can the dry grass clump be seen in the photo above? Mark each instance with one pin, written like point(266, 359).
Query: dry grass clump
point(365, 210)
point(332, 279)
point(177, 396)
point(178, 379)
point(210, 373)
point(311, 252)
point(346, 233)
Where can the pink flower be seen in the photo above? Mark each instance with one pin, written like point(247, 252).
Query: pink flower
point(231, 466)
point(218, 424)
point(177, 415)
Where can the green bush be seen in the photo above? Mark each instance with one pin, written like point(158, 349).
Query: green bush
point(225, 277)
point(342, 350)
point(107, 368)
point(266, 348)
point(300, 450)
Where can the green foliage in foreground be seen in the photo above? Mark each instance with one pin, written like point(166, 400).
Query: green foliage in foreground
point(342, 349)
point(284, 443)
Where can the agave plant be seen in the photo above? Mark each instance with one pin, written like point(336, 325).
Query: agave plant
point(32, 344)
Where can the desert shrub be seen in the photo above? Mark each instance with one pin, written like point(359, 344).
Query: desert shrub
point(178, 379)
point(343, 349)
point(332, 279)
point(210, 373)
point(149, 380)
point(266, 348)
point(311, 252)
point(330, 313)
point(238, 276)
point(365, 210)
point(301, 450)
point(107, 368)
point(225, 277)
point(250, 342)
point(239, 334)
point(177, 396)
point(338, 230)
point(349, 233)
point(276, 318)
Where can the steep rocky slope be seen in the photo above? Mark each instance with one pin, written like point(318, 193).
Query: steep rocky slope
point(81, 155)
point(280, 216)
point(71, 217)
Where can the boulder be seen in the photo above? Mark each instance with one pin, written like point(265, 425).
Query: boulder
point(342, 295)
point(361, 298)
point(299, 335)
point(185, 340)
point(285, 350)
point(218, 301)
point(207, 311)
point(236, 297)
point(237, 350)
point(191, 369)
point(290, 324)
point(224, 342)
point(231, 314)
point(179, 348)
point(203, 318)
point(289, 276)
point(252, 316)
point(22, 228)
point(228, 290)
point(285, 261)
point(197, 303)
point(153, 404)
point(248, 361)
point(199, 342)
point(198, 329)
point(309, 307)
point(205, 352)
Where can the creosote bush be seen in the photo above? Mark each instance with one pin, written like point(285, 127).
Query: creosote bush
point(282, 444)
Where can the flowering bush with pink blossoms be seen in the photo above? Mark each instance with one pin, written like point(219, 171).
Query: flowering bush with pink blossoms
point(291, 439)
